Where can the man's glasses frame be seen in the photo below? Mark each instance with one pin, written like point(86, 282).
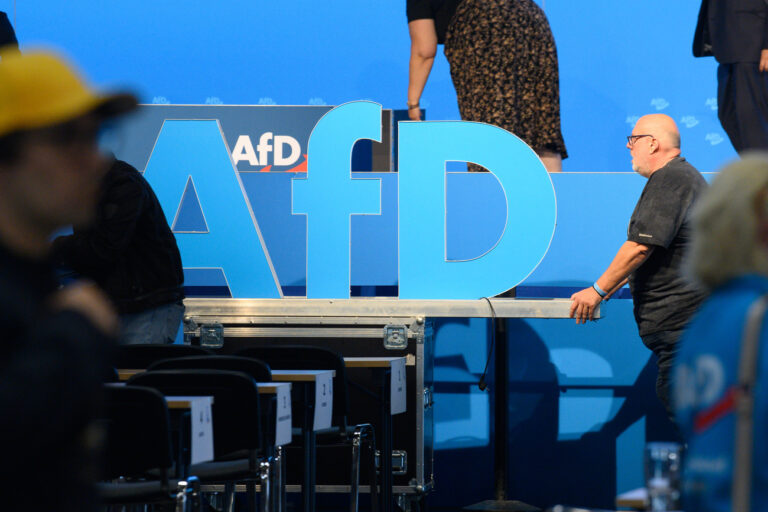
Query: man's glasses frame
point(631, 139)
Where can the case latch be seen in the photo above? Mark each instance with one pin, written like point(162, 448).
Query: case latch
point(395, 337)
point(211, 335)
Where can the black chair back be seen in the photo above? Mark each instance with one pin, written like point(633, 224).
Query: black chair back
point(141, 356)
point(303, 357)
point(236, 411)
point(138, 431)
point(259, 370)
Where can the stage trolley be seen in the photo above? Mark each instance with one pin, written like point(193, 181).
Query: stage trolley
point(361, 327)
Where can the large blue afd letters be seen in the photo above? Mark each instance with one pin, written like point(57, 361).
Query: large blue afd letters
point(424, 149)
point(234, 243)
point(329, 195)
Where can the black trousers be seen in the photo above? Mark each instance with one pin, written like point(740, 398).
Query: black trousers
point(664, 345)
point(742, 104)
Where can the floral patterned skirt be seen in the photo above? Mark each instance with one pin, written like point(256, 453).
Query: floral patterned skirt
point(504, 67)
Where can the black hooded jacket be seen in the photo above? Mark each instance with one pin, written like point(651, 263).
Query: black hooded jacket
point(129, 250)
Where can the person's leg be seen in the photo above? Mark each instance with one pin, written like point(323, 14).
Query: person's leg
point(666, 359)
point(750, 105)
point(726, 108)
point(173, 318)
point(664, 345)
point(135, 328)
point(552, 161)
point(156, 325)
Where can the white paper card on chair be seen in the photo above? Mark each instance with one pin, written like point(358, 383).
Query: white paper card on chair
point(323, 400)
point(202, 429)
point(397, 383)
point(283, 421)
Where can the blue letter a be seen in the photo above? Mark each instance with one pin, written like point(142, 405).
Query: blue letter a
point(234, 243)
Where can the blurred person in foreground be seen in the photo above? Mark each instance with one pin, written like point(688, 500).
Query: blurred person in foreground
point(55, 343)
point(729, 256)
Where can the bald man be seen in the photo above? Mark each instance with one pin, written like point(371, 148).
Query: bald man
point(657, 236)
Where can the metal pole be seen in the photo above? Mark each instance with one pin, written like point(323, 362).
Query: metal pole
point(501, 408)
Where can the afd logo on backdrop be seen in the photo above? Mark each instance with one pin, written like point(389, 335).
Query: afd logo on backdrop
point(271, 149)
point(329, 197)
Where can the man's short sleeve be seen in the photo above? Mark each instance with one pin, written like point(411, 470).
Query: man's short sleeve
point(662, 208)
point(418, 10)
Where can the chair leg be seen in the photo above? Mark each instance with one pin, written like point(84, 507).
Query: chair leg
point(250, 488)
point(195, 500)
point(181, 497)
point(188, 496)
point(229, 497)
point(354, 488)
point(372, 471)
point(280, 494)
point(265, 468)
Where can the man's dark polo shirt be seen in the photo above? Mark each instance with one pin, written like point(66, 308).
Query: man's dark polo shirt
point(663, 299)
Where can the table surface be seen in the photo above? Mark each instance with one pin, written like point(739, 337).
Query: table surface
point(270, 388)
point(226, 310)
point(127, 373)
point(370, 362)
point(636, 498)
point(300, 375)
point(184, 402)
point(277, 375)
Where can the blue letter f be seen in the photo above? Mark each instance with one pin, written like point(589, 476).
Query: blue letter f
point(329, 195)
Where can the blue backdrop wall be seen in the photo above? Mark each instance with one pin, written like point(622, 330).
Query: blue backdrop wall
point(582, 399)
point(618, 60)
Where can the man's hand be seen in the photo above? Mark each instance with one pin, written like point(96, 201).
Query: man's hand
point(90, 301)
point(763, 66)
point(584, 304)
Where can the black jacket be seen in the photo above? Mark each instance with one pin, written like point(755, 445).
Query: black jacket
point(732, 30)
point(130, 250)
point(51, 368)
point(7, 35)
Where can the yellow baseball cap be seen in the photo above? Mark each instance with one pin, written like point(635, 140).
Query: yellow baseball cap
point(39, 89)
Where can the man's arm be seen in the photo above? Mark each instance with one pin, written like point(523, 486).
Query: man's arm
point(629, 257)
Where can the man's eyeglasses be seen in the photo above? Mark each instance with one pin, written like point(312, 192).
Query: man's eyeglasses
point(631, 139)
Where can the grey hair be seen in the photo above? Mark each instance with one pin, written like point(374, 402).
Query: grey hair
point(725, 242)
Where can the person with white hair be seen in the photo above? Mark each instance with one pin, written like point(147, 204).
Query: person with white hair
point(718, 400)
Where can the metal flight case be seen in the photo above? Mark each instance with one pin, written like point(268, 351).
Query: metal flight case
point(228, 325)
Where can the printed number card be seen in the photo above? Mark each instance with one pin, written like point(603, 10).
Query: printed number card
point(283, 416)
point(398, 386)
point(323, 401)
point(202, 429)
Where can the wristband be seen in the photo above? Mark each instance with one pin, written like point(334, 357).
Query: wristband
point(415, 105)
point(600, 291)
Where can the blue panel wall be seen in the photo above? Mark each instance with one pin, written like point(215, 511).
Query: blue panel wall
point(618, 61)
point(576, 390)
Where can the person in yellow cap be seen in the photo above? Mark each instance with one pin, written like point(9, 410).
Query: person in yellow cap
point(55, 341)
